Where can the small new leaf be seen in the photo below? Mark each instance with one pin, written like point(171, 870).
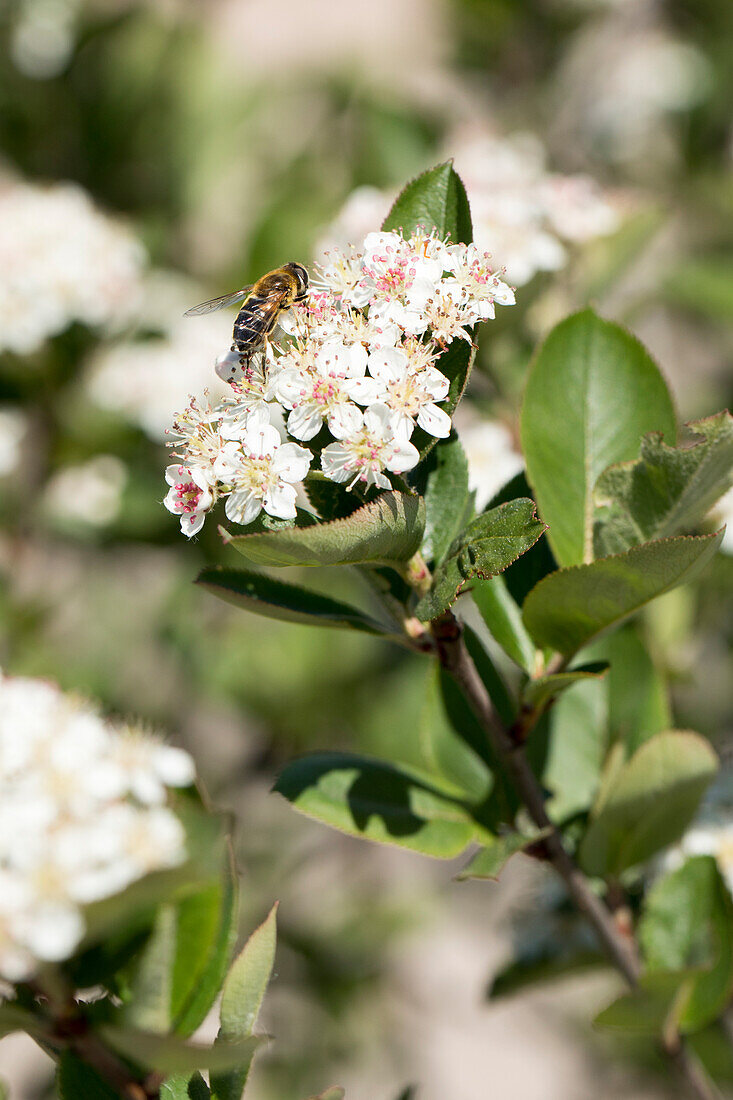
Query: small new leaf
point(490, 543)
point(538, 693)
point(667, 490)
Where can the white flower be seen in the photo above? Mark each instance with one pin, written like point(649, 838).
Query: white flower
point(83, 813)
point(61, 260)
point(189, 496)
point(261, 472)
point(318, 384)
point(409, 394)
point(90, 492)
point(474, 283)
point(374, 447)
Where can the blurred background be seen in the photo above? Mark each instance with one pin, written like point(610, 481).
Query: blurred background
point(153, 154)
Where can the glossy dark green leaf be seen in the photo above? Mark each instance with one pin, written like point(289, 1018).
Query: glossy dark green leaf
point(665, 492)
point(504, 620)
point(389, 529)
point(434, 200)
point(648, 803)
point(538, 693)
point(242, 996)
point(592, 392)
point(569, 608)
point(277, 600)
point(489, 543)
point(688, 923)
point(489, 862)
point(377, 801)
point(446, 497)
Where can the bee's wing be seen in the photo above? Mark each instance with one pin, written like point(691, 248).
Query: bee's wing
point(218, 303)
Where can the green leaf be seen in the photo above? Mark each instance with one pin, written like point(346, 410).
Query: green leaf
point(277, 600)
point(171, 1054)
point(446, 496)
point(452, 753)
point(666, 491)
point(577, 744)
point(377, 801)
point(434, 200)
point(13, 1018)
point(151, 979)
point(523, 574)
point(593, 391)
point(389, 529)
point(489, 543)
point(244, 991)
point(455, 363)
point(330, 499)
point(688, 922)
point(504, 620)
point(538, 693)
point(490, 861)
point(77, 1081)
point(572, 606)
point(183, 1087)
point(650, 1009)
point(205, 934)
point(649, 802)
point(638, 702)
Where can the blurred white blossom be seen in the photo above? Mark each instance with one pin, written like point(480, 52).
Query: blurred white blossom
point(43, 37)
point(61, 261)
point(147, 380)
point(83, 814)
point(90, 492)
point(13, 431)
point(523, 215)
point(490, 452)
point(358, 359)
point(623, 79)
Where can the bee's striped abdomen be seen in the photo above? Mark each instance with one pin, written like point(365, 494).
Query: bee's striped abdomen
point(256, 319)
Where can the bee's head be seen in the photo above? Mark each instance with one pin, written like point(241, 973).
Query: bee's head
point(300, 274)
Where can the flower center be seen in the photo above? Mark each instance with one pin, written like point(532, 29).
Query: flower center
point(188, 494)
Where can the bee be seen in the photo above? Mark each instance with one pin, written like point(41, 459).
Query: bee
point(264, 301)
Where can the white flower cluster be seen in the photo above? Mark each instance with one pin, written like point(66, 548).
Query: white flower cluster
point(524, 215)
point(60, 261)
point(83, 814)
point(358, 358)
